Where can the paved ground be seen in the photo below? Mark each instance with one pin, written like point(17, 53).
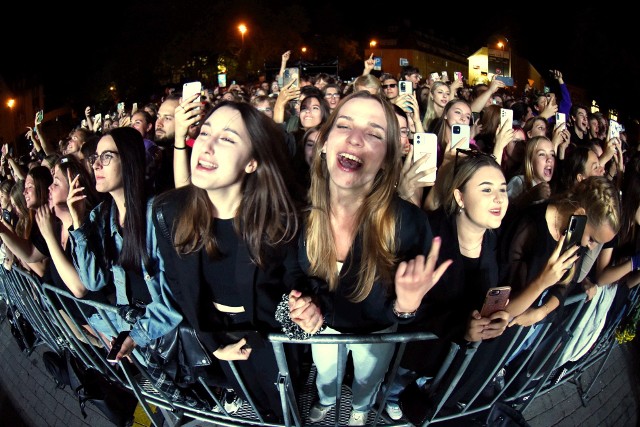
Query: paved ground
point(27, 390)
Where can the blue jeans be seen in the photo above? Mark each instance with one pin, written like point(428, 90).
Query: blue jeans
point(370, 362)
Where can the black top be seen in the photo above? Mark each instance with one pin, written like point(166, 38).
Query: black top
point(259, 290)
point(374, 313)
point(222, 285)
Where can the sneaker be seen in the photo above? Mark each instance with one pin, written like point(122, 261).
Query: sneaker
point(393, 410)
point(318, 412)
point(358, 418)
point(231, 401)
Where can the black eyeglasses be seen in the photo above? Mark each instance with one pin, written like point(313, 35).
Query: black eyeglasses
point(471, 154)
point(105, 157)
point(392, 86)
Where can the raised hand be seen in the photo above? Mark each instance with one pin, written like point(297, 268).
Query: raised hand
point(369, 63)
point(558, 263)
point(75, 200)
point(44, 219)
point(416, 277)
point(187, 113)
point(409, 181)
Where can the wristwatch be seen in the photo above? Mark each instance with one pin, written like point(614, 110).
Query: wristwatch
point(403, 315)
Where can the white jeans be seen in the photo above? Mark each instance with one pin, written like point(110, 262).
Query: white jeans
point(370, 361)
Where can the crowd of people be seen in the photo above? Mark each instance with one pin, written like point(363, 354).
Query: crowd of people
point(300, 208)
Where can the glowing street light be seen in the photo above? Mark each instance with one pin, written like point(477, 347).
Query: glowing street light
point(243, 29)
point(373, 44)
point(11, 103)
point(304, 49)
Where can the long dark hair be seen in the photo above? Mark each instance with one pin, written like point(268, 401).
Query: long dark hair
point(130, 146)
point(42, 179)
point(266, 216)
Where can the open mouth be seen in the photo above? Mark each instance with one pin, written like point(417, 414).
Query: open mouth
point(349, 162)
point(548, 172)
point(203, 164)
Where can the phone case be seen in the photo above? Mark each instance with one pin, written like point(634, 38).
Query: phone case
point(190, 89)
point(495, 300)
point(291, 74)
point(506, 115)
point(426, 144)
point(575, 231)
point(560, 118)
point(458, 133)
point(614, 130)
point(405, 86)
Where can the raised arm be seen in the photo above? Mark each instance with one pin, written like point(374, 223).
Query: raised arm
point(187, 113)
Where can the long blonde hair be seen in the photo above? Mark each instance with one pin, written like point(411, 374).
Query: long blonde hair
point(376, 217)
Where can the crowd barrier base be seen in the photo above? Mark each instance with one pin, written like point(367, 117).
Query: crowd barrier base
point(538, 371)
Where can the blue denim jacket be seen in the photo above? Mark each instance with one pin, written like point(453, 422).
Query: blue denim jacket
point(95, 270)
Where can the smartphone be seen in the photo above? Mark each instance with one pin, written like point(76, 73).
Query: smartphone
point(434, 76)
point(508, 81)
point(222, 80)
point(495, 300)
point(614, 129)
point(117, 345)
point(40, 116)
point(134, 107)
point(120, 107)
point(97, 118)
point(575, 231)
point(426, 144)
point(477, 115)
point(458, 75)
point(405, 86)
point(289, 75)
point(459, 133)
point(445, 76)
point(191, 88)
point(561, 119)
point(506, 115)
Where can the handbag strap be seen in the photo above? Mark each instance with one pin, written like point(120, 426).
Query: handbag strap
point(162, 222)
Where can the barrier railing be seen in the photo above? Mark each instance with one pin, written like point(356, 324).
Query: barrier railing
point(458, 390)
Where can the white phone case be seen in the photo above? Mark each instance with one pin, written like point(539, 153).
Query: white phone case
point(506, 115)
point(426, 144)
point(458, 133)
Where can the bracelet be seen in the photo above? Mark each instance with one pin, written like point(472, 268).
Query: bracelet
point(179, 148)
point(403, 315)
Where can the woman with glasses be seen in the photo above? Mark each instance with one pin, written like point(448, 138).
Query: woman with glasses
point(115, 245)
point(364, 245)
point(332, 93)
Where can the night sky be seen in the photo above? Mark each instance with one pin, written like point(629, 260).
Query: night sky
point(594, 47)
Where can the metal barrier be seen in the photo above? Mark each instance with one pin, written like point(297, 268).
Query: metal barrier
point(37, 302)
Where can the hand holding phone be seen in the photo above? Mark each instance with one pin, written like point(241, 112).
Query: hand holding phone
point(426, 144)
point(117, 346)
point(460, 135)
point(575, 230)
point(506, 116)
point(405, 87)
point(495, 300)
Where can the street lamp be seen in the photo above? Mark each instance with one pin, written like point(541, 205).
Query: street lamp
point(304, 49)
point(372, 44)
point(243, 29)
point(11, 103)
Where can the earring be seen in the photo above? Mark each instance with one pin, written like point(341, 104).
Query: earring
point(323, 155)
point(461, 209)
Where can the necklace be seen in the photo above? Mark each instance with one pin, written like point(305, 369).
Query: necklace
point(472, 249)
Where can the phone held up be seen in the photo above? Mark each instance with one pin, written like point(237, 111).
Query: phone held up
point(291, 75)
point(577, 224)
point(495, 300)
point(405, 87)
point(460, 135)
point(117, 346)
point(506, 116)
point(426, 144)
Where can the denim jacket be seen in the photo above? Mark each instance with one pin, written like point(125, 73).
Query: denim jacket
point(96, 270)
